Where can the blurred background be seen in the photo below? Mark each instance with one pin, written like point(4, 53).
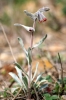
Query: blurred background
point(12, 11)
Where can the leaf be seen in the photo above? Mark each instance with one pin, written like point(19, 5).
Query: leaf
point(35, 71)
point(48, 77)
point(47, 96)
point(40, 42)
point(57, 88)
point(27, 52)
point(25, 82)
point(15, 77)
point(39, 78)
point(21, 69)
point(64, 80)
point(42, 81)
point(31, 15)
point(13, 89)
point(54, 97)
point(23, 79)
point(19, 72)
point(27, 28)
point(21, 43)
point(18, 65)
point(43, 86)
point(5, 94)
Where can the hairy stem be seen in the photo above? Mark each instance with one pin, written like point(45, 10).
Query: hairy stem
point(30, 65)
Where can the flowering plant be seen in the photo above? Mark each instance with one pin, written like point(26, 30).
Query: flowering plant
point(26, 81)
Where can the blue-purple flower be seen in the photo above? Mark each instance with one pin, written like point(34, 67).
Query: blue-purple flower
point(38, 15)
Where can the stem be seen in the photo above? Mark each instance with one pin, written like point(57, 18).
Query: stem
point(62, 87)
point(30, 67)
point(8, 43)
point(61, 67)
point(31, 40)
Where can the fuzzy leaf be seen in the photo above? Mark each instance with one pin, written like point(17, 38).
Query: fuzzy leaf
point(40, 42)
point(15, 77)
point(18, 65)
point(22, 44)
point(27, 28)
point(39, 78)
point(25, 82)
point(27, 52)
point(19, 72)
point(21, 69)
point(43, 86)
point(31, 15)
point(42, 81)
point(35, 71)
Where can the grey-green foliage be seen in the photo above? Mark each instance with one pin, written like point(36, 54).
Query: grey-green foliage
point(27, 52)
point(40, 42)
point(19, 78)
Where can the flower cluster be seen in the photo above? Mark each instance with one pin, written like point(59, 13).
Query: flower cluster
point(38, 15)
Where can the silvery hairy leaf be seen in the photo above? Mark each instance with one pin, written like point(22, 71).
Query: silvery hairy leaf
point(43, 81)
point(40, 42)
point(25, 81)
point(26, 52)
point(43, 87)
point(31, 15)
point(19, 72)
point(39, 77)
point(15, 77)
point(36, 70)
point(27, 28)
point(16, 64)
point(22, 44)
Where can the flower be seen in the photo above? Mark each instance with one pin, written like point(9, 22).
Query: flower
point(38, 15)
point(41, 17)
point(29, 29)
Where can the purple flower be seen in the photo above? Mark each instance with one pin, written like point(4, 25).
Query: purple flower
point(38, 15)
point(41, 17)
